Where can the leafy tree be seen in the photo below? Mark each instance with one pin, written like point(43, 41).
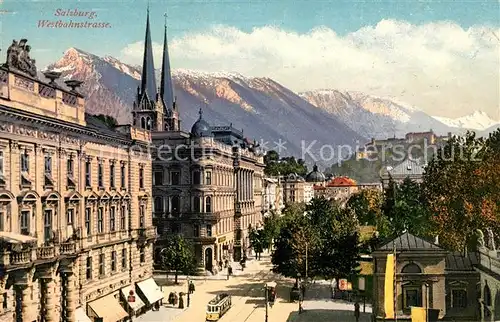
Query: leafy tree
point(178, 256)
point(257, 241)
point(337, 248)
point(283, 166)
point(367, 205)
point(271, 229)
point(458, 186)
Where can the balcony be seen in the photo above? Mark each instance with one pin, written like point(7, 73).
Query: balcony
point(68, 248)
point(211, 216)
point(146, 233)
point(46, 252)
point(20, 258)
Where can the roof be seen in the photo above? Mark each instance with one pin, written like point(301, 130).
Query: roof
point(458, 262)
point(315, 175)
point(148, 80)
point(341, 181)
point(408, 241)
point(408, 167)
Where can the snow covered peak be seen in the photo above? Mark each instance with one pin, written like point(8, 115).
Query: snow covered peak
point(201, 74)
point(478, 120)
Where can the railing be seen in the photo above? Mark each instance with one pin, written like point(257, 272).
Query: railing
point(68, 248)
point(22, 257)
point(46, 252)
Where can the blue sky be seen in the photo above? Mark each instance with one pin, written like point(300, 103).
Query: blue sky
point(271, 38)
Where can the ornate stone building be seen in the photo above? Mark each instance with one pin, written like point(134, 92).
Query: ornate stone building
point(207, 183)
point(76, 229)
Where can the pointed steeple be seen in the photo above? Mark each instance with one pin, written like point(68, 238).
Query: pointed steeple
point(167, 87)
point(148, 81)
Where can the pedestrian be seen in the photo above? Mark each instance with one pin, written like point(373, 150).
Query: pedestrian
point(191, 287)
point(171, 298)
point(181, 301)
point(303, 289)
point(176, 298)
point(356, 310)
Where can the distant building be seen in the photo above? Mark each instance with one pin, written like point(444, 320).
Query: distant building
point(427, 276)
point(273, 196)
point(296, 189)
point(409, 168)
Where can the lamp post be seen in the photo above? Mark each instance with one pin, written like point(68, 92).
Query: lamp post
point(300, 292)
point(188, 291)
point(426, 302)
point(266, 295)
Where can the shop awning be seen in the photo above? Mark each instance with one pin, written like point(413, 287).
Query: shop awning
point(150, 290)
point(108, 309)
point(137, 304)
point(15, 238)
point(81, 316)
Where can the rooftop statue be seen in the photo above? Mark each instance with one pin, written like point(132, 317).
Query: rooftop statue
point(18, 57)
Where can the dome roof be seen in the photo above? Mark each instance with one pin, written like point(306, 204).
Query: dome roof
point(201, 128)
point(315, 175)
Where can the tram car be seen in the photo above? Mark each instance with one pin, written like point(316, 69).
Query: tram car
point(218, 306)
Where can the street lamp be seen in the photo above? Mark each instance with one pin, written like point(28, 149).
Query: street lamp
point(188, 291)
point(267, 299)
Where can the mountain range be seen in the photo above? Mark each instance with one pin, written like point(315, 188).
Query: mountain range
point(266, 110)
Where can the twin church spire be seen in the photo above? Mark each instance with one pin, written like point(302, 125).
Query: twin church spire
point(155, 108)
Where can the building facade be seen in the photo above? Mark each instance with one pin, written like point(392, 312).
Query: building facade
point(76, 229)
point(427, 276)
point(296, 189)
point(273, 196)
point(207, 183)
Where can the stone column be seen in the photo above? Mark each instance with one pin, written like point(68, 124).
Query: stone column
point(50, 300)
point(25, 303)
point(72, 296)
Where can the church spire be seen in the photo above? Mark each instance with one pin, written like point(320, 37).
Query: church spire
point(148, 81)
point(167, 87)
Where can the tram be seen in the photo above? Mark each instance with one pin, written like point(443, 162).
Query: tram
point(218, 306)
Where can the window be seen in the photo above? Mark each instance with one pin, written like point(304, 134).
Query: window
point(196, 231)
point(25, 162)
point(88, 172)
point(112, 175)
point(48, 165)
point(141, 178)
point(411, 268)
point(459, 298)
point(47, 225)
point(2, 221)
point(88, 268)
point(70, 167)
point(412, 296)
point(123, 215)
point(24, 222)
point(112, 213)
point(1, 163)
point(208, 204)
point(158, 204)
point(122, 176)
point(100, 174)
point(209, 230)
point(142, 216)
point(196, 177)
point(70, 216)
point(208, 178)
point(175, 178)
point(102, 271)
point(196, 204)
point(158, 178)
point(176, 205)
point(88, 221)
point(124, 258)
point(100, 221)
point(142, 255)
point(113, 261)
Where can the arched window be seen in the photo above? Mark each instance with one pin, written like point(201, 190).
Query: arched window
point(158, 204)
point(148, 123)
point(143, 123)
point(176, 205)
point(208, 204)
point(411, 269)
point(487, 301)
point(196, 204)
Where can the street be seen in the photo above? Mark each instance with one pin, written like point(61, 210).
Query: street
point(248, 303)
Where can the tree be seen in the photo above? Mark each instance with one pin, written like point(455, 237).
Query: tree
point(257, 241)
point(271, 229)
point(459, 185)
point(337, 248)
point(178, 256)
point(366, 205)
point(283, 166)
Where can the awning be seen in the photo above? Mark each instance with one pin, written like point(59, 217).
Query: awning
point(137, 304)
point(81, 316)
point(150, 290)
point(15, 238)
point(108, 309)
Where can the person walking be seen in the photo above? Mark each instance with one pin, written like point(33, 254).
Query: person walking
point(356, 311)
